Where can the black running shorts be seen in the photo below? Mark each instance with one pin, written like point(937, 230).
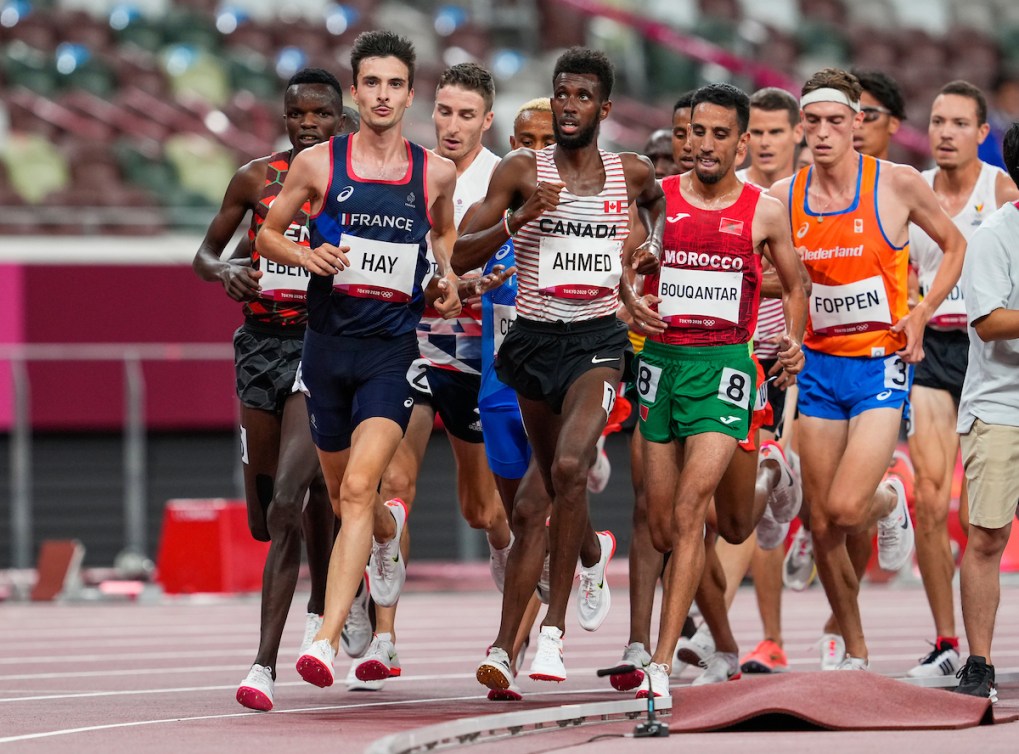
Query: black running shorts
point(946, 355)
point(265, 365)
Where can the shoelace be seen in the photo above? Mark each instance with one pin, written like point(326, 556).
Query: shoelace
point(357, 620)
point(588, 588)
point(310, 629)
point(548, 651)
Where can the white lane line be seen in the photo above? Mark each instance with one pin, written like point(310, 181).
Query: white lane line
point(330, 708)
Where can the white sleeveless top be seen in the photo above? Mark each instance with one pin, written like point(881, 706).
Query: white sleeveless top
point(926, 255)
point(569, 260)
point(770, 313)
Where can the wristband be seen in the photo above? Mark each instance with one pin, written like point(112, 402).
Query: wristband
point(505, 225)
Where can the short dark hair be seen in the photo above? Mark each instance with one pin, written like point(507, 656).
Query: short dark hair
point(318, 76)
point(473, 78)
point(685, 101)
point(966, 89)
point(884, 89)
point(383, 44)
point(728, 96)
point(584, 61)
point(1010, 150)
point(771, 99)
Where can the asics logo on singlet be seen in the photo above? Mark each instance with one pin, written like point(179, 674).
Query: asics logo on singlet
point(803, 230)
point(677, 217)
point(345, 194)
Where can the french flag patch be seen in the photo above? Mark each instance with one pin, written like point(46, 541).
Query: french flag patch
point(613, 205)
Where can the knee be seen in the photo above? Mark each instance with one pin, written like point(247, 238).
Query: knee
point(284, 515)
point(482, 517)
point(569, 473)
point(734, 528)
point(848, 516)
point(987, 544)
point(396, 482)
point(357, 491)
point(662, 530)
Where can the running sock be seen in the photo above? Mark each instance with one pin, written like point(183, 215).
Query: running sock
point(952, 640)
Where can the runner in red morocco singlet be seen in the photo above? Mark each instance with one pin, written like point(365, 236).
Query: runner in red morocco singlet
point(696, 380)
point(375, 199)
point(563, 354)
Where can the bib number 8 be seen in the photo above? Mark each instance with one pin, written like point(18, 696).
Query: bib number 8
point(734, 387)
point(647, 382)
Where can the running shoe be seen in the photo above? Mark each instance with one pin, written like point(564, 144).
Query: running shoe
point(600, 471)
point(976, 678)
point(543, 588)
point(380, 661)
point(547, 664)
point(698, 648)
point(510, 694)
point(799, 568)
point(497, 563)
point(770, 533)
point(356, 684)
point(386, 569)
point(316, 665)
point(594, 598)
point(312, 624)
point(767, 657)
point(357, 629)
point(853, 663)
point(719, 668)
point(255, 691)
point(940, 661)
point(635, 654)
point(656, 682)
point(833, 651)
point(786, 497)
point(495, 671)
point(895, 531)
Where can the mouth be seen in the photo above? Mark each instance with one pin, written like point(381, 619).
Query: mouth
point(382, 110)
point(451, 144)
point(687, 162)
point(309, 138)
point(568, 126)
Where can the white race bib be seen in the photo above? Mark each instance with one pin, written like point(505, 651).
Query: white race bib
point(578, 268)
point(706, 298)
point(851, 308)
point(281, 282)
point(378, 269)
point(502, 317)
point(951, 313)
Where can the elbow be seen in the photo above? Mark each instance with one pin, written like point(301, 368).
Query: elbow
point(985, 332)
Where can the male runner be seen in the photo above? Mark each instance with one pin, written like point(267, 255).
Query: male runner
point(279, 459)
point(447, 377)
point(969, 191)
point(564, 353)
point(883, 108)
point(695, 377)
point(989, 425)
point(658, 149)
point(375, 199)
point(681, 153)
point(850, 216)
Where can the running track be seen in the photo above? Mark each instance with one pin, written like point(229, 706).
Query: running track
point(160, 677)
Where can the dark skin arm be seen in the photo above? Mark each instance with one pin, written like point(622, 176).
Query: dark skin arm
point(642, 258)
point(239, 280)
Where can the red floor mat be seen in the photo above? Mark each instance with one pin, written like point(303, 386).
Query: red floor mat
point(846, 700)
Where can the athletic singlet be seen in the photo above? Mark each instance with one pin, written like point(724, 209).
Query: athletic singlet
point(770, 313)
point(858, 276)
point(498, 310)
point(951, 314)
point(710, 276)
point(455, 344)
point(570, 259)
point(281, 303)
point(386, 225)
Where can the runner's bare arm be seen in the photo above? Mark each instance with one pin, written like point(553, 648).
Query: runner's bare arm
point(647, 194)
point(636, 309)
point(778, 247)
point(1005, 190)
point(307, 180)
point(514, 183)
point(238, 279)
point(925, 210)
point(441, 185)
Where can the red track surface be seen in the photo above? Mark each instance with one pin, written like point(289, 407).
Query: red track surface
point(161, 677)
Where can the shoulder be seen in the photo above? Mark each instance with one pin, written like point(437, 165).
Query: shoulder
point(440, 168)
point(636, 165)
point(1004, 189)
point(250, 178)
point(905, 182)
point(770, 209)
point(780, 189)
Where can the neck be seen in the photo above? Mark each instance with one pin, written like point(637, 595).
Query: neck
point(766, 179)
point(710, 193)
point(958, 179)
point(467, 160)
point(837, 176)
point(378, 143)
point(579, 156)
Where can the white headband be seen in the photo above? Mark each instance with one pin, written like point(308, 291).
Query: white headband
point(827, 94)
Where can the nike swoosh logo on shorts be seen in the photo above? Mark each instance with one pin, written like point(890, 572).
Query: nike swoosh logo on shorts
point(603, 359)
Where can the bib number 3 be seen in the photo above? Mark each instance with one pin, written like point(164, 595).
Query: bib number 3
point(896, 373)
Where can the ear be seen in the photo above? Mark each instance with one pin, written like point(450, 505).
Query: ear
point(487, 123)
point(606, 108)
point(893, 124)
point(982, 132)
point(798, 132)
